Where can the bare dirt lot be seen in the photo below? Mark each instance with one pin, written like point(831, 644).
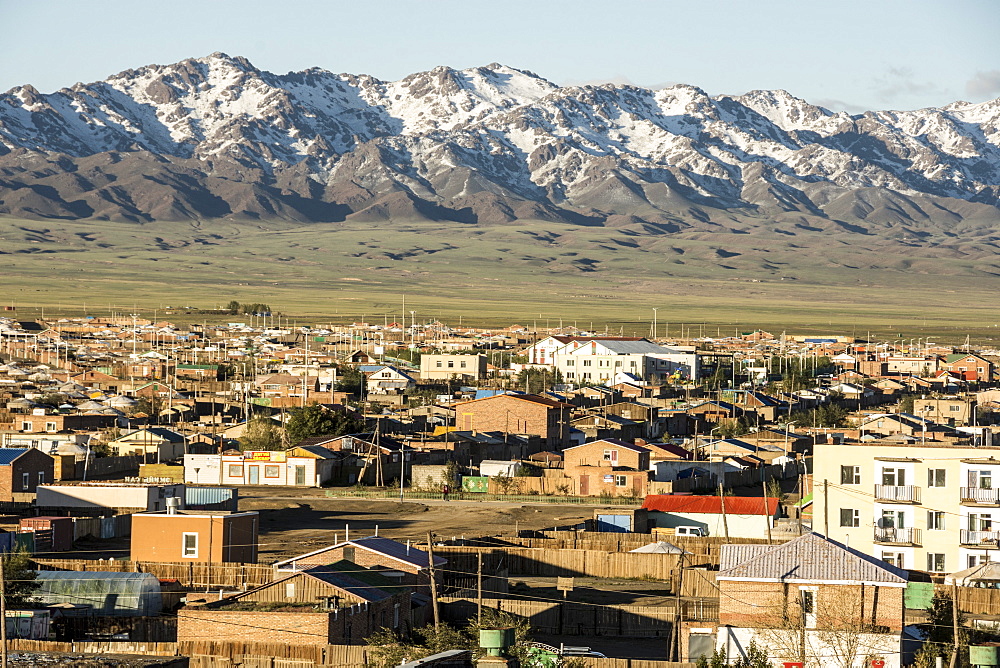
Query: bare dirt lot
point(302, 521)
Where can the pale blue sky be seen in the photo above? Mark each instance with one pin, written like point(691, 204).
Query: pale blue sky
point(844, 54)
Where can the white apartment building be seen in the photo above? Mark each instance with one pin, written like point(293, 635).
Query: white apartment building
point(600, 360)
point(931, 507)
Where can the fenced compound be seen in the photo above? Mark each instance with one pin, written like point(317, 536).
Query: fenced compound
point(536, 562)
point(232, 576)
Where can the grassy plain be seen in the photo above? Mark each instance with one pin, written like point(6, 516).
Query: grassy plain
point(527, 272)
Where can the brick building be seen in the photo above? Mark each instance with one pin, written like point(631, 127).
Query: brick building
point(22, 470)
point(48, 423)
point(518, 414)
point(200, 536)
point(341, 603)
point(811, 596)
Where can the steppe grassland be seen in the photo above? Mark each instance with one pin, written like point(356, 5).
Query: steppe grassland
point(527, 271)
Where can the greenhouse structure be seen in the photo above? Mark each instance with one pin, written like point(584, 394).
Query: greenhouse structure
point(106, 594)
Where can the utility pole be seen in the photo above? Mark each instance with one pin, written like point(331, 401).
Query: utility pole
point(767, 517)
point(725, 522)
point(826, 508)
point(434, 589)
point(676, 640)
point(3, 612)
point(954, 627)
point(479, 588)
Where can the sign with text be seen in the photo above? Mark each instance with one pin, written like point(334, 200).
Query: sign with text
point(264, 456)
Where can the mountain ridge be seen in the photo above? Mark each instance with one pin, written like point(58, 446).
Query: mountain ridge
point(216, 137)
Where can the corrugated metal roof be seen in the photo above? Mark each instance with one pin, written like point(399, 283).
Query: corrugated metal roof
point(812, 557)
point(346, 575)
point(735, 505)
point(731, 556)
point(631, 347)
point(397, 550)
point(8, 455)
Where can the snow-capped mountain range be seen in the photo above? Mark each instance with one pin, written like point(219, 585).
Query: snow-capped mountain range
point(216, 137)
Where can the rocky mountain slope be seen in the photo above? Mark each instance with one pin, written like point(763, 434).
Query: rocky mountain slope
point(215, 137)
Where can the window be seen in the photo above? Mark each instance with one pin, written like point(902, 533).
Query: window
point(25, 481)
point(980, 522)
point(935, 562)
point(850, 475)
point(289, 590)
point(611, 456)
point(808, 601)
point(586, 362)
point(586, 374)
point(893, 519)
point(849, 517)
point(954, 409)
point(893, 477)
point(977, 560)
point(621, 481)
point(41, 477)
point(451, 364)
point(236, 470)
point(935, 520)
point(395, 616)
point(935, 477)
point(51, 426)
point(26, 426)
point(570, 362)
point(570, 375)
point(272, 471)
point(190, 545)
point(439, 364)
point(893, 559)
point(986, 480)
point(463, 364)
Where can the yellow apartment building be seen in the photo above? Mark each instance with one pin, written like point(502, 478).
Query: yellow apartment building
point(925, 507)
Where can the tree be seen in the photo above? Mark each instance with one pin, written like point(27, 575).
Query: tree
point(534, 381)
point(351, 380)
point(262, 433)
point(20, 578)
point(314, 420)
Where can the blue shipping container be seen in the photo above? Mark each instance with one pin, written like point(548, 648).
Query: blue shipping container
point(227, 498)
point(614, 523)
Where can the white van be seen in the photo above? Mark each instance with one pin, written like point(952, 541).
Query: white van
point(690, 531)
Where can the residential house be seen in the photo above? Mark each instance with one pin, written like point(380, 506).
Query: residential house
point(386, 379)
point(197, 536)
point(518, 414)
point(43, 422)
point(445, 367)
point(766, 408)
point(338, 603)
point(22, 470)
point(598, 426)
point(405, 564)
point(951, 411)
point(158, 443)
point(811, 599)
point(970, 367)
point(608, 466)
point(735, 516)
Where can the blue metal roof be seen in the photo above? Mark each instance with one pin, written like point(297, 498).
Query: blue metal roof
point(8, 455)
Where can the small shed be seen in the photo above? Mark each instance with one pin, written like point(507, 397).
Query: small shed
point(494, 467)
point(628, 520)
point(106, 594)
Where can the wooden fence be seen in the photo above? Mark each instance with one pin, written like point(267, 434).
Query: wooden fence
point(560, 563)
point(190, 574)
point(581, 619)
point(205, 654)
point(591, 662)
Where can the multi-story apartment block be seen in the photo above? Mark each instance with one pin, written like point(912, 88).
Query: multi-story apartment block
point(927, 507)
point(601, 360)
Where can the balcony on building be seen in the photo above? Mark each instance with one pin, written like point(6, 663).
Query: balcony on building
point(897, 493)
point(897, 536)
point(979, 496)
point(967, 537)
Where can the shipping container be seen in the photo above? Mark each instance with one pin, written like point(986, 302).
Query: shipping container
point(61, 529)
point(211, 498)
